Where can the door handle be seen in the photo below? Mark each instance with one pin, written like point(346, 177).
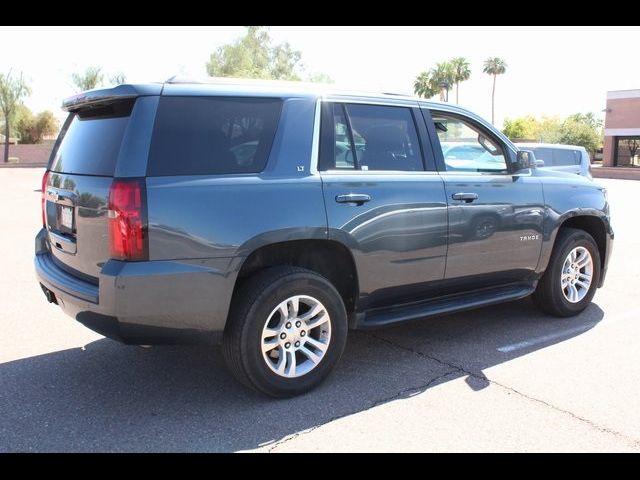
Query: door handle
point(357, 198)
point(465, 197)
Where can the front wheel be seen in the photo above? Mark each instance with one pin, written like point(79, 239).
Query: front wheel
point(287, 330)
point(572, 276)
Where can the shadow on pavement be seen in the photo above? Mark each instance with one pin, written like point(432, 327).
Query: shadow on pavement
point(112, 397)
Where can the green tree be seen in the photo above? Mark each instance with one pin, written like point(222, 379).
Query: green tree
point(319, 78)
point(423, 85)
point(588, 119)
point(32, 128)
point(550, 130)
point(12, 91)
point(92, 77)
point(582, 129)
point(118, 79)
point(527, 127)
point(254, 56)
point(442, 75)
point(437, 80)
point(574, 132)
point(461, 72)
point(494, 66)
point(46, 125)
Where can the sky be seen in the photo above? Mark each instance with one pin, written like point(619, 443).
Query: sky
point(550, 70)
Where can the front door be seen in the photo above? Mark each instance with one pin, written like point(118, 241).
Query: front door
point(495, 216)
point(381, 202)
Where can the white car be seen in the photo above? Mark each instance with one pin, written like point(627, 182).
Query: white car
point(564, 158)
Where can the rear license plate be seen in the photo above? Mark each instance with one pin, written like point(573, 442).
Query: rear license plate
point(66, 217)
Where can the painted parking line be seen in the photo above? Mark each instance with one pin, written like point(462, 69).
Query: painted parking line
point(544, 339)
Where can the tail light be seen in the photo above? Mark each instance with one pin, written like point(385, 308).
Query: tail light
point(43, 201)
point(128, 220)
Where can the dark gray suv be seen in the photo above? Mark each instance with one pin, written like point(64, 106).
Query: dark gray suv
point(273, 218)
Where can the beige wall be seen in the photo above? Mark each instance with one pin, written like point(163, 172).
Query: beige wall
point(622, 113)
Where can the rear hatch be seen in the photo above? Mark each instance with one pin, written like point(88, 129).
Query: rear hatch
point(76, 190)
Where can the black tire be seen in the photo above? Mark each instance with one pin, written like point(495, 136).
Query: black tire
point(548, 295)
point(252, 305)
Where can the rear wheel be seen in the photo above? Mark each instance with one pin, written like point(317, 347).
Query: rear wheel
point(572, 276)
point(287, 330)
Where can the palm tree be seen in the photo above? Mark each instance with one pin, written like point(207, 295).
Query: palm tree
point(423, 85)
point(442, 77)
point(461, 72)
point(494, 66)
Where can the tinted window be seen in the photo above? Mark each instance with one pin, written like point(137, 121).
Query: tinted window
point(343, 147)
point(466, 148)
point(385, 138)
point(212, 135)
point(369, 137)
point(90, 142)
point(557, 157)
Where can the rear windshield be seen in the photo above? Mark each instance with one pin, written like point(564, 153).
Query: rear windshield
point(557, 157)
point(89, 142)
point(212, 135)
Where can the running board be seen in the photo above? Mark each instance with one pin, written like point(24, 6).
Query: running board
point(452, 303)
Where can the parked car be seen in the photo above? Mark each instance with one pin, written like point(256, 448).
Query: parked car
point(273, 218)
point(562, 158)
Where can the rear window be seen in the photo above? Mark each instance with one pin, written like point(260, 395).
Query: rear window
point(557, 157)
point(212, 135)
point(89, 142)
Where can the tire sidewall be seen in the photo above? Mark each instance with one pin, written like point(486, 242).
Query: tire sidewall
point(578, 239)
point(251, 343)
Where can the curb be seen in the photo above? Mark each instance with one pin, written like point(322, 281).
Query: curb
point(620, 173)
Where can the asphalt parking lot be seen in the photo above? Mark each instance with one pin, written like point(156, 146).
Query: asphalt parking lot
point(503, 378)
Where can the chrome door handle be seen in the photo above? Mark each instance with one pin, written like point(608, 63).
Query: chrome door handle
point(357, 198)
point(465, 197)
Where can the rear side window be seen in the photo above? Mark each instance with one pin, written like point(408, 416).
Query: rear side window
point(369, 137)
point(558, 157)
point(212, 135)
point(90, 141)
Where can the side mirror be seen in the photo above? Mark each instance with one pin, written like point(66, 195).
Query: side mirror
point(525, 159)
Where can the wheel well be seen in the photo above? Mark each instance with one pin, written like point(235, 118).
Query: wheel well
point(594, 227)
point(330, 259)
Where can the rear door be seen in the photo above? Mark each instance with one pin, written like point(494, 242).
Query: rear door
point(381, 201)
point(83, 164)
point(495, 215)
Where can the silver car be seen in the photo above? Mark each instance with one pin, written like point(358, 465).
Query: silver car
point(564, 158)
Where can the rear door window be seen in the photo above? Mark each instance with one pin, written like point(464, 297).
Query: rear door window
point(90, 141)
point(212, 135)
point(370, 137)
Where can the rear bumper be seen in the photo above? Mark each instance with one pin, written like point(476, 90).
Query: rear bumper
point(144, 302)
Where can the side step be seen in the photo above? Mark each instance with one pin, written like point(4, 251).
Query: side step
point(452, 303)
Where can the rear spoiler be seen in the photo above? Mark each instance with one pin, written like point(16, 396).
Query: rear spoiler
point(102, 96)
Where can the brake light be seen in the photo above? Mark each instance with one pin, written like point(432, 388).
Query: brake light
point(127, 220)
point(43, 202)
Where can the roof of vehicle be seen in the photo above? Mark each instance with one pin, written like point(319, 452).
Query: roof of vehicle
point(179, 86)
point(235, 86)
point(281, 87)
point(549, 145)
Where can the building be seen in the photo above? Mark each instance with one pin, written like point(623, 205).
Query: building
point(622, 129)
